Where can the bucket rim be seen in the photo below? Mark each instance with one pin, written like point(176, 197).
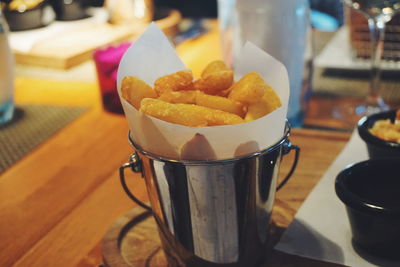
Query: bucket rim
point(150, 155)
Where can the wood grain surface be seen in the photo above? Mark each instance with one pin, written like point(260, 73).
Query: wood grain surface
point(62, 198)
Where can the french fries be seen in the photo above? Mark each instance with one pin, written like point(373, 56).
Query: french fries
point(268, 103)
point(212, 100)
point(218, 117)
point(213, 67)
point(220, 103)
point(134, 90)
point(187, 114)
point(215, 82)
point(215, 78)
point(184, 114)
point(249, 89)
point(180, 80)
point(183, 97)
point(201, 99)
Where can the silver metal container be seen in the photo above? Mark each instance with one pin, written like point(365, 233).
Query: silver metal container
point(212, 213)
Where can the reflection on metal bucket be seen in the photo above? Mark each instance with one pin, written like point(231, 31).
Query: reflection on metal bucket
point(212, 212)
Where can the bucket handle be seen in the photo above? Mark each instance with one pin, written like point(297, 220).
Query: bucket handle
point(287, 147)
point(135, 165)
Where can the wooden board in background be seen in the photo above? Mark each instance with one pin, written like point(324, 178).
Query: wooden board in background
point(74, 46)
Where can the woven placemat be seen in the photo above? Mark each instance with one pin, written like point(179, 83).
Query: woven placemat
point(31, 125)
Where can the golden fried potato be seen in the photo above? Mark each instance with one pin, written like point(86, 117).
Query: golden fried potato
point(202, 99)
point(134, 90)
point(249, 89)
point(214, 66)
point(217, 117)
point(220, 103)
point(215, 82)
point(187, 114)
point(226, 92)
point(183, 97)
point(272, 97)
point(214, 99)
point(257, 110)
point(184, 114)
point(180, 80)
point(268, 103)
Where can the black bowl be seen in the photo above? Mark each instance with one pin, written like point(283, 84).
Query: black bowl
point(33, 18)
point(377, 147)
point(67, 10)
point(371, 192)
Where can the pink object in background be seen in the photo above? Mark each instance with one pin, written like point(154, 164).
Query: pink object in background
point(107, 61)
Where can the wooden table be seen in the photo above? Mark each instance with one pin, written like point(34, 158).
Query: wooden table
point(58, 201)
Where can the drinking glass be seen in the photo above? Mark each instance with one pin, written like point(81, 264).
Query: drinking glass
point(378, 13)
point(280, 28)
point(6, 75)
point(107, 60)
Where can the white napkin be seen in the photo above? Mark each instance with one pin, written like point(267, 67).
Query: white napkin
point(320, 229)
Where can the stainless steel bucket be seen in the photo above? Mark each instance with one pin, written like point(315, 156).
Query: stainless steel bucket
point(212, 213)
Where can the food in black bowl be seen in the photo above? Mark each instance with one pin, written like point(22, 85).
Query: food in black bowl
point(370, 191)
point(28, 14)
point(379, 133)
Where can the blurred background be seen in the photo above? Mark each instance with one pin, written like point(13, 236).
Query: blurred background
point(63, 134)
point(70, 48)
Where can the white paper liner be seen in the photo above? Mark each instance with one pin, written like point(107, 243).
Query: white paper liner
point(152, 56)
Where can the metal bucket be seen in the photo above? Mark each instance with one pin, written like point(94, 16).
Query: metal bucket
point(212, 213)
